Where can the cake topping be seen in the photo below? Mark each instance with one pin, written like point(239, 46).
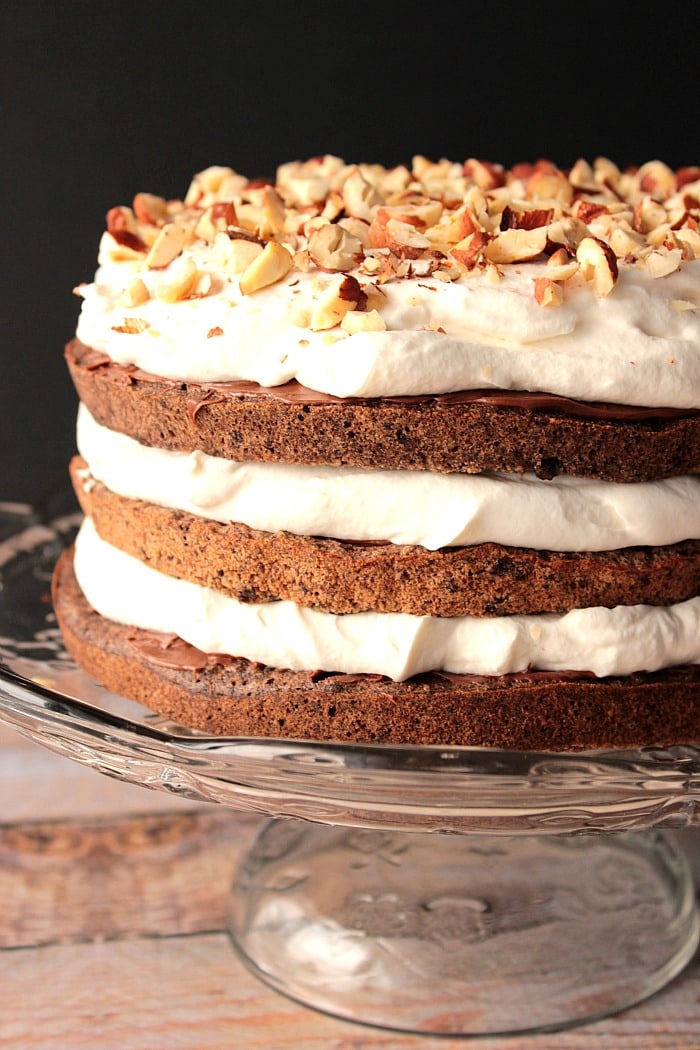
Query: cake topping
point(456, 218)
point(460, 264)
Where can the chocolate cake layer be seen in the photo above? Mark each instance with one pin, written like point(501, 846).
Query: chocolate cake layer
point(448, 433)
point(345, 577)
point(225, 695)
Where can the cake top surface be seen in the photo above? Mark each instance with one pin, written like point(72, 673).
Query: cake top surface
point(359, 280)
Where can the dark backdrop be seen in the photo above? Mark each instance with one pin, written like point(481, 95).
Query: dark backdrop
point(100, 101)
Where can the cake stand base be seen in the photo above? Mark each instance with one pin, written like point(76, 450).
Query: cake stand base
point(450, 934)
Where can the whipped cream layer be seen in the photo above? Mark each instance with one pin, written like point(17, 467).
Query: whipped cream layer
point(416, 507)
point(640, 345)
point(603, 641)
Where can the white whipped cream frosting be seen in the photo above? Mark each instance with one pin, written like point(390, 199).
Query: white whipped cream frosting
point(417, 507)
point(640, 345)
point(605, 641)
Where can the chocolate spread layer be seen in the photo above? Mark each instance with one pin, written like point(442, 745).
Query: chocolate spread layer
point(294, 393)
point(466, 432)
point(169, 650)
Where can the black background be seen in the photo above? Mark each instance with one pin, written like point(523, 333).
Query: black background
point(100, 101)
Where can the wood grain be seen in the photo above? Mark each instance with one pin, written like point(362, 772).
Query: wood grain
point(141, 876)
point(192, 993)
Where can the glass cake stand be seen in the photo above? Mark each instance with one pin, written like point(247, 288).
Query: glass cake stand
point(436, 890)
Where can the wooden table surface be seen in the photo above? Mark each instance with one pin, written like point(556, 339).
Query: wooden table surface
point(112, 903)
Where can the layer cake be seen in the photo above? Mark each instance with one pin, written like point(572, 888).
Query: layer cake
point(401, 455)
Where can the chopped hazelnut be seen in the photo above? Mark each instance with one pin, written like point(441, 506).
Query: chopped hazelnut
point(339, 298)
point(273, 213)
point(367, 321)
point(561, 271)
point(131, 326)
point(648, 214)
point(660, 264)
point(567, 232)
point(135, 293)
point(182, 278)
point(333, 248)
point(121, 219)
point(598, 264)
point(118, 248)
point(516, 245)
point(549, 183)
point(657, 179)
point(167, 246)
point(234, 254)
point(547, 292)
point(217, 218)
point(360, 197)
point(469, 252)
point(691, 239)
point(151, 209)
point(270, 266)
point(626, 242)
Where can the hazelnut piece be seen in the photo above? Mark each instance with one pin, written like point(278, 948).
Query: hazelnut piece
point(547, 293)
point(661, 264)
point(182, 279)
point(367, 321)
point(598, 264)
point(234, 254)
point(167, 246)
point(516, 245)
point(334, 248)
point(360, 197)
point(151, 209)
point(272, 264)
point(338, 300)
point(135, 293)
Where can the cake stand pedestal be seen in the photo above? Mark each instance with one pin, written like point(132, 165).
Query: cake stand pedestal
point(446, 891)
point(463, 934)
